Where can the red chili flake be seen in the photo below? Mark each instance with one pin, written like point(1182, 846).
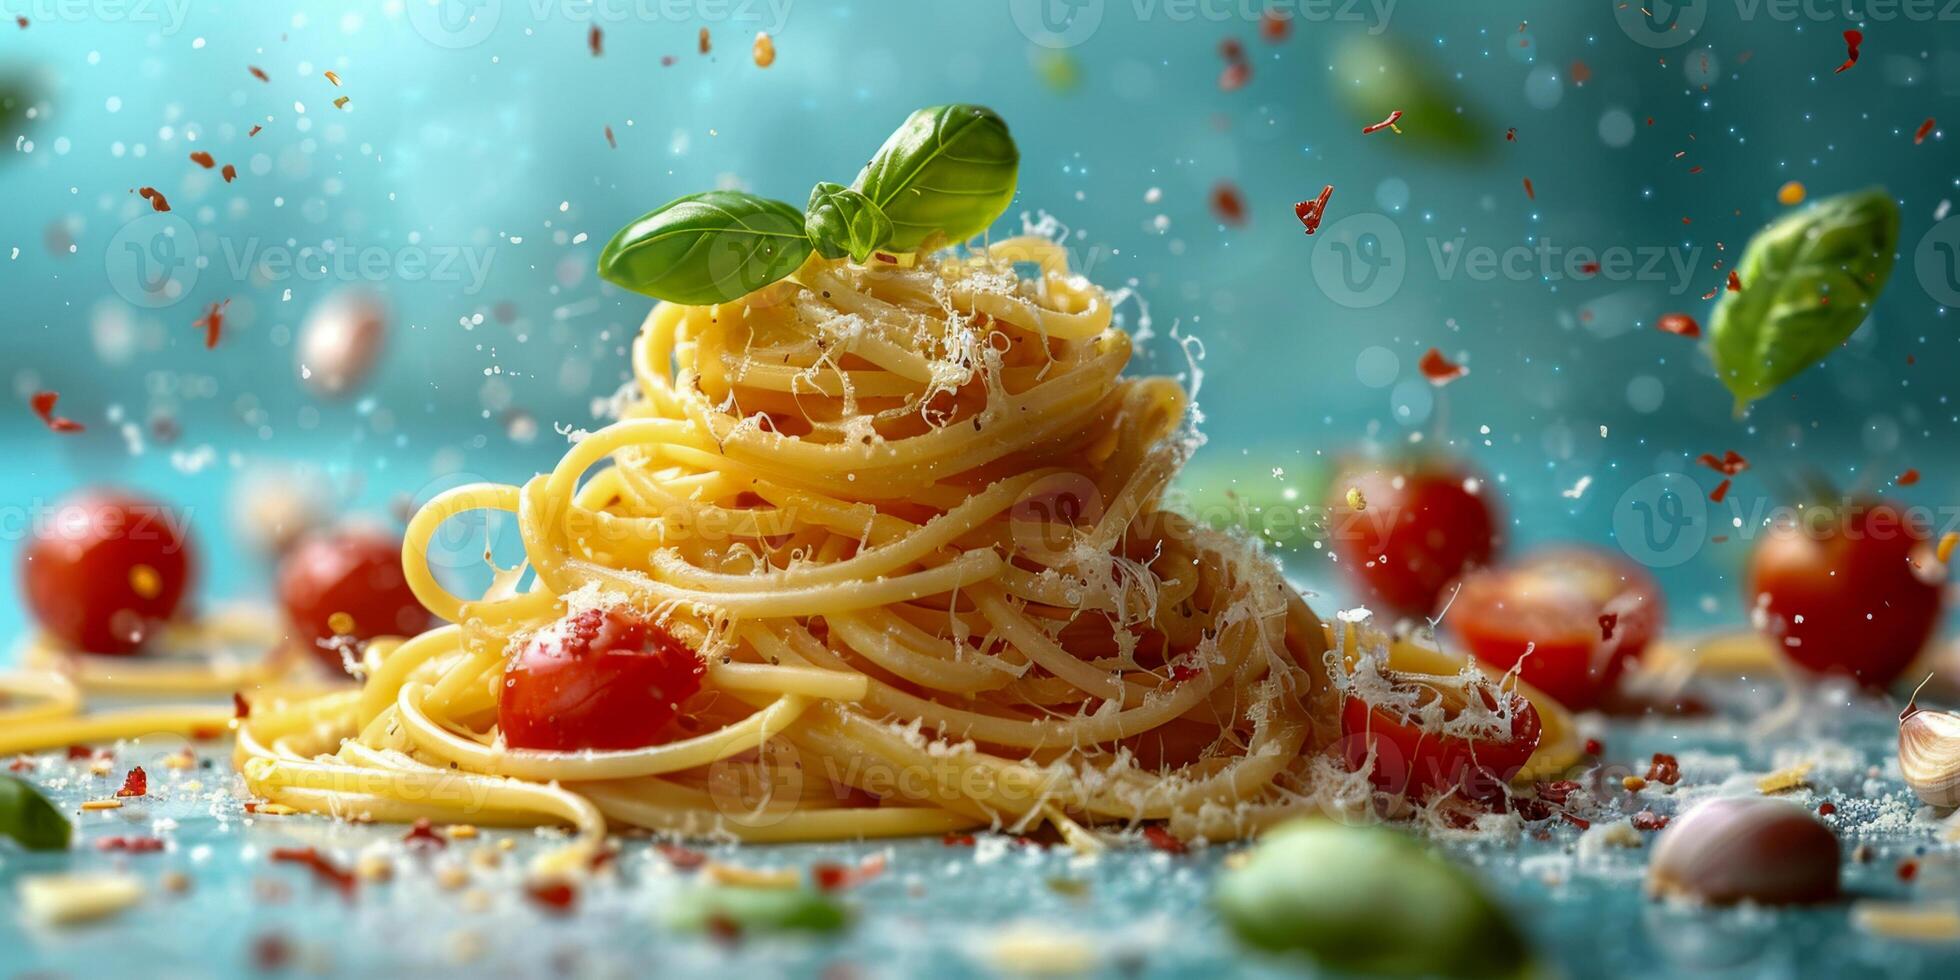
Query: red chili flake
point(1851, 41)
point(1695, 169)
point(1721, 490)
point(1440, 370)
point(1581, 73)
point(1163, 840)
point(556, 897)
point(80, 752)
point(1578, 822)
point(957, 840)
point(155, 198)
point(203, 159)
point(423, 835)
point(240, 708)
point(830, 876)
point(205, 733)
point(1826, 808)
point(1908, 869)
point(21, 763)
point(666, 61)
point(1275, 26)
point(1227, 203)
point(1528, 192)
point(1729, 464)
point(704, 44)
point(22, 21)
point(1311, 212)
point(1664, 769)
point(596, 40)
point(1234, 76)
point(1593, 747)
point(1678, 324)
point(1590, 268)
point(133, 845)
point(43, 405)
point(1511, 135)
point(213, 321)
point(271, 952)
point(1925, 130)
point(1231, 50)
point(136, 783)
point(1607, 623)
point(681, 857)
point(230, 173)
point(258, 73)
point(341, 879)
point(1556, 791)
point(1735, 282)
point(1394, 117)
point(609, 139)
point(256, 130)
point(1908, 478)
point(1648, 820)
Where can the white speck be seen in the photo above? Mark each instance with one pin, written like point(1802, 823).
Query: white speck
point(1578, 489)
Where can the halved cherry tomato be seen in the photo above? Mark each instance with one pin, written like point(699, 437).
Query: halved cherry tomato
point(1582, 614)
point(1411, 759)
point(106, 570)
point(347, 583)
point(1848, 590)
point(596, 680)
point(1421, 524)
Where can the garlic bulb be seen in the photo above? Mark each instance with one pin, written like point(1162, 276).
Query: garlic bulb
point(1929, 754)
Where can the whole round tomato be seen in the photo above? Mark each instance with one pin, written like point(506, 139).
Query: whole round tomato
point(596, 680)
point(347, 583)
point(1847, 590)
point(1580, 614)
point(1409, 758)
point(105, 570)
point(1419, 526)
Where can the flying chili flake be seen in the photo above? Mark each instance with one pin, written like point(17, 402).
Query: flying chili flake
point(1589, 268)
point(213, 321)
point(1440, 370)
point(1678, 324)
point(1394, 117)
point(259, 73)
point(764, 50)
point(830, 876)
point(596, 40)
point(1511, 135)
point(666, 61)
point(1925, 130)
point(704, 44)
point(137, 783)
point(1790, 194)
point(240, 708)
point(1311, 212)
point(341, 879)
point(555, 897)
point(43, 405)
point(155, 197)
point(230, 173)
point(1851, 41)
point(1275, 26)
point(334, 78)
point(1728, 464)
point(203, 159)
point(1581, 72)
point(1721, 490)
point(1227, 203)
point(609, 139)
point(22, 21)
point(1908, 478)
point(1528, 192)
point(256, 130)
point(1607, 621)
point(1735, 282)
point(1163, 840)
point(1237, 70)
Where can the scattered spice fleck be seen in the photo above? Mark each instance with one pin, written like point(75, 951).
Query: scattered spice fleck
point(1593, 747)
point(43, 404)
point(1852, 39)
point(764, 50)
point(1581, 72)
point(132, 845)
point(256, 130)
point(1607, 623)
point(1947, 541)
point(830, 876)
point(1394, 117)
point(1511, 135)
point(213, 322)
point(155, 197)
point(1528, 192)
point(1664, 769)
point(1679, 324)
point(703, 43)
point(1440, 370)
point(229, 173)
point(1735, 282)
point(681, 857)
point(1163, 840)
point(136, 783)
point(258, 73)
point(1227, 203)
point(203, 159)
point(335, 79)
point(1589, 268)
point(1925, 130)
point(340, 103)
point(1275, 26)
point(1826, 808)
point(613, 143)
point(558, 897)
point(1908, 478)
point(1311, 212)
point(1908, 869)
point(596, 40)
point(1790, 194)
point(1648, 820)
point(957, 840)
point(1721, 490)
point(1234, 76)
point(1729, 464)
point(424, 835)
point(326, 871)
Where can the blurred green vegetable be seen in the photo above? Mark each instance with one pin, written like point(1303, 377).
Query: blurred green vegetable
point(841, 222)
point(759, 910)
point(707, 248)
point(17, 93)
point(1367, 900)
point(1808, 280)
point(949, 168)
point(1375, 76)
point(28, 817)
point(1283, 511)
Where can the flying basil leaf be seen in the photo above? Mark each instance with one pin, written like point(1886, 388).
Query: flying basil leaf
point(28, 817)
point(841, 221)
point(949, 168)
point(1375, 76)
point(1808, 280)
point(707, 248)
point(759, 910)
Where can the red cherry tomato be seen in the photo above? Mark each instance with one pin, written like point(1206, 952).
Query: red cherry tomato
point(596, 680)
point(1409, 758)
point(1581, 614)
point(1843, 592)
point(105, 570)
point(1420, 526)
point(347, 583)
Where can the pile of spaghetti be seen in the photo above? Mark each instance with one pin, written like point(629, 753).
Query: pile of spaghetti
point(910, 516)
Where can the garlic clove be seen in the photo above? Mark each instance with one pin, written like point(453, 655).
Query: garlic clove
point(1929, 754)
point(1746, 848)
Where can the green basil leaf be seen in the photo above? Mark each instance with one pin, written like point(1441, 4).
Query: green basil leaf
point(759, 910)
point(28, 817)
point(949, 168)
point(707, 248)
point(841, 221)
point(1367, 900)
point(1375, 76)
point(1808, 281)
